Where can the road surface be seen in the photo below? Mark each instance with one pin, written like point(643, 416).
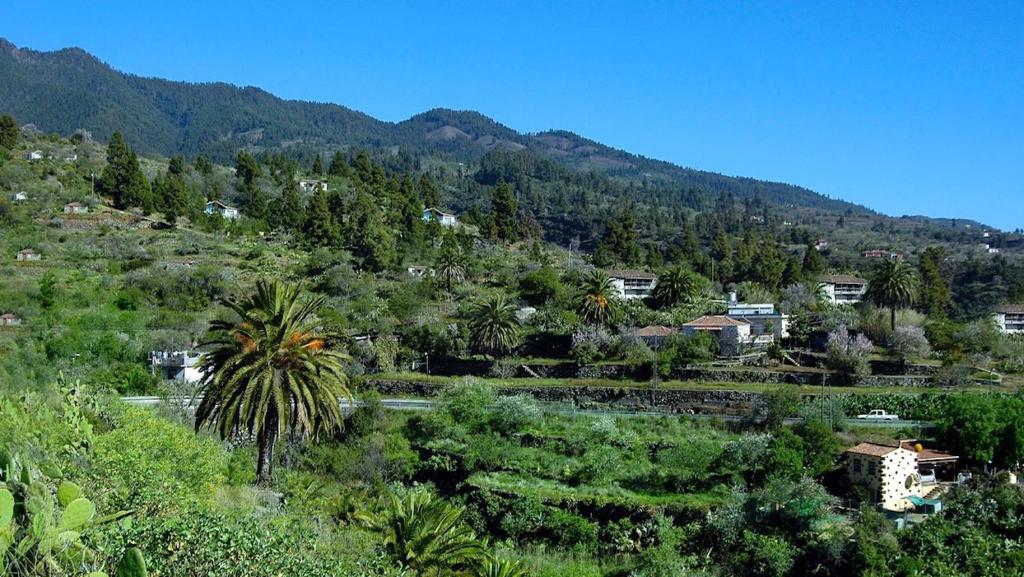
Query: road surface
point(426, 405)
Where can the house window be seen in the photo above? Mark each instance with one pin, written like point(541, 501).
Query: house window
point(856, 465)
point(872, 467)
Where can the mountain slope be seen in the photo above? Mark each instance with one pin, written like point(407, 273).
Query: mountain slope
point(68, 89)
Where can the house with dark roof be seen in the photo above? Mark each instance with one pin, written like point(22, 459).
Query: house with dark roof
point(1010, 318)
point(899, 475)
point(633, 284)
point(844, 289)
point(732, 334)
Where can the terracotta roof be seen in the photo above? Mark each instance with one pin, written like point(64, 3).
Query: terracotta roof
point(842, 279)
point(1010, 309)
point(871, 449)
point(8, 316)
point(655, 331)
point(633, 274)
point(928, 455)
point(438, 211)
point(715, 322)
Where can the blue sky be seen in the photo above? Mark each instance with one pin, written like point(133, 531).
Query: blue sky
point(906, 107)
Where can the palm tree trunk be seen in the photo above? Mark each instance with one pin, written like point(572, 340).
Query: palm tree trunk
point(892, 312)
point(265, 455)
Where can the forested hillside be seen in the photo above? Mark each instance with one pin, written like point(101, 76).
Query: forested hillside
point(69, 89)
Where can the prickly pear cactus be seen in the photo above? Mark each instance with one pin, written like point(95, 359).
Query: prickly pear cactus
point(132, 564)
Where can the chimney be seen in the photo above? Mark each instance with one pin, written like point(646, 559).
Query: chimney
point(732, 297)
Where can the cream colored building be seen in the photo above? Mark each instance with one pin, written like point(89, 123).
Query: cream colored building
point(894, 472)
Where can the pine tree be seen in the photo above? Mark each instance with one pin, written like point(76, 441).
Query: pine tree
point(428, 192)
point(287, 211)
point(122, 178)
point(9, 135)
point(935, 292)
point(339, 166)
point(318, 166)
point(503, 213)
point(247, 171)
point(319, 227)
point(372, 241)
point(813, 262)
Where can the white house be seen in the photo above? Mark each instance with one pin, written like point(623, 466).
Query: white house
point(844, 289)
point(443, 218)
point(218, 207)
point(766, 324)
point(176, 365)
point(71, 157)
point(9, 320)
point(75, 208)
point(1010, 318)
point(34, 155)
point(19, 196)
point(28, 254)
point(633, 284)
point(898, 475)
point(419, 271)
point(310, 185)
point(732, 334)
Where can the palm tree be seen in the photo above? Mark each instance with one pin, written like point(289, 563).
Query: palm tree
point(676, 285)
point(271, 373)
point(493, 325)
point(425, 535)
point(450, 270)
point(893, 285)
point(492, 567)
point(598, 298)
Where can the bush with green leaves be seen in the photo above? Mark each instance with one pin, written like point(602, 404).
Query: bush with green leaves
point(139, 464)
point(514, 413)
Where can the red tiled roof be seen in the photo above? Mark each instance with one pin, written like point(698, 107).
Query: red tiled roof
point(715, 322)
point(871, 449)
point(927, 455)
point(655, 331)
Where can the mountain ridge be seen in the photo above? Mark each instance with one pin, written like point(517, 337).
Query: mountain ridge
point(67, 89)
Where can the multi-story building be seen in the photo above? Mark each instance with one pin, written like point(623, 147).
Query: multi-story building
point(633, 284)
point(844, 289)
point(897, 474)
point(766, 324)
point(176, 365)
point(1010, 318)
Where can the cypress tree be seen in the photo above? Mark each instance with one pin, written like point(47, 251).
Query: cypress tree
point(813, 262)
point(122, 178)
point(319, 227)
point(503, 212)
point(287, 211)
point(8, 132)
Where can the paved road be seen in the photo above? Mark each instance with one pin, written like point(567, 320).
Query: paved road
point(426, 405)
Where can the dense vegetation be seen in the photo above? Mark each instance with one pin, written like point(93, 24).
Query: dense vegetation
point(315, 294)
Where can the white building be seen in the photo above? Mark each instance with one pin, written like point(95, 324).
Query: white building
point(34, 155)
point(1010, 319)
point(443, 218)
point(732, 334)
point(75, 208)
point(176, 365)
point(766, 324)
point(310, 185)
point(9, 320)
point(897, 475)
point(218, 207)
point(633, 284)
point(843, 289)
point(28, 254)
point(19, 196)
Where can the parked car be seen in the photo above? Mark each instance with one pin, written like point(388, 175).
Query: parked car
point(879, 415)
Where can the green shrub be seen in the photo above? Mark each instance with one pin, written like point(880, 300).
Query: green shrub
point(152, 465)
point(512, 414)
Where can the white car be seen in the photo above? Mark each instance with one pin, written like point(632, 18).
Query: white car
point(879, 415)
